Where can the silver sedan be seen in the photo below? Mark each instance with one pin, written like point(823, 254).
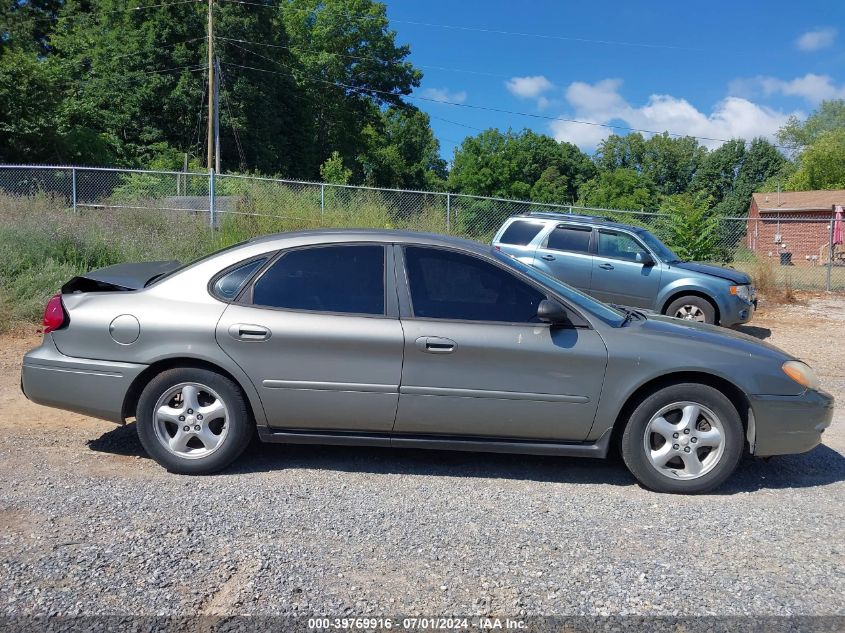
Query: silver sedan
point(383, 338)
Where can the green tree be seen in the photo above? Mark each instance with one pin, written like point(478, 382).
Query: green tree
point(822, 164)
point(797, 134)
point(671, 162)
point(551, 186)
point(401, 151)
point(346, 69)
point(688, 228)
point(96, 82)
point(732, 172)
point(617, 151)
point(334, 171)
point(624, 189)
point(510, 164)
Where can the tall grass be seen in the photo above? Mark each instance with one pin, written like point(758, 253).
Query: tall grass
point(44, 243)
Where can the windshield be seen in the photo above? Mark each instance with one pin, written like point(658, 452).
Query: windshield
point(663, 252)
point(603, 311)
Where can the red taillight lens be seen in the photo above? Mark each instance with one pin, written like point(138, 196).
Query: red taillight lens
point(54, 314)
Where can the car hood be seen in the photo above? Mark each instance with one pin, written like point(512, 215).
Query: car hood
point(712, 334)
point(724, 272)
point(129, 276)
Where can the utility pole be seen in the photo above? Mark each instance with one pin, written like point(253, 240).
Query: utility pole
point(217, 116)
point(211, 84)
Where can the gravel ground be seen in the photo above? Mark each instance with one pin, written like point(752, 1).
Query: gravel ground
point(89, 525)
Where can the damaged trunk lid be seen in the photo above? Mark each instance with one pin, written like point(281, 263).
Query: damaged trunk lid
point(120, 277)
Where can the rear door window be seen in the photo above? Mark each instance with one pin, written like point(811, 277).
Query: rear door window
point(520, 233)
point(338, 279)
point(572, 239)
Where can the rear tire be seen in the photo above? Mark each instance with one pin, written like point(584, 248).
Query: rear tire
point(686, 438)
point(692, 308)
point(193, 421)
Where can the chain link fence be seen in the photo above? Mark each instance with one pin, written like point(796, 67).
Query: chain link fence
point(144, 214)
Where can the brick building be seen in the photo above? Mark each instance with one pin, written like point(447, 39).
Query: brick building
point(793, 226)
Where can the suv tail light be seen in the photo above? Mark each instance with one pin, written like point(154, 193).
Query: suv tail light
point(54, 314)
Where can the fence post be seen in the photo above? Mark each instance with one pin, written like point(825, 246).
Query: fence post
point(322, 200)
point(448, 213)
point(73, 188)
point(829, 285)
point(211, 197)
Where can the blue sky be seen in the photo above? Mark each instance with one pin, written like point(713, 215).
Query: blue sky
point(709, 69)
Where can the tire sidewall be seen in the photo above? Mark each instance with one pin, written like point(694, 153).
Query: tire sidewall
point(240, 423)
point(633, 451)
point(700, 302)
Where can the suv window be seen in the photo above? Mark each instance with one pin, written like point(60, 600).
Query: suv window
point(574, 239)
point(449, 285)
point(325, 279)
point(619, 246)
point(229, 285)
point(520, 233)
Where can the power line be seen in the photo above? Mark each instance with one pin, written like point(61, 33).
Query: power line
point(363, 57)
point(198, 129)
point(532, 115)
point(478, 29)
point(236, 134)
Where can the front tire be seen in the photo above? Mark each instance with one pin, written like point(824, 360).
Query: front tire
point(692, 308)
point(686, 438)
point(193, 421)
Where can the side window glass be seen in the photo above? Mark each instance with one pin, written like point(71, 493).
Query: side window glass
point(571, 239)
point(341, 278)
point(620, 246)
point(520, 233)
point(229, 285)
point(449, 285)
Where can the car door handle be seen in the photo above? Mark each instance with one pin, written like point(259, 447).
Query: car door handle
point(435, 345)
point(606, 266)
point(548, 258)
point(249, 332)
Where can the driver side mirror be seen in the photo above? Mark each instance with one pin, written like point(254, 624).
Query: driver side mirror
point(552, 312)
point(645, 259)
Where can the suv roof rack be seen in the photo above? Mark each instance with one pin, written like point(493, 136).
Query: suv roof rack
point(557, 215)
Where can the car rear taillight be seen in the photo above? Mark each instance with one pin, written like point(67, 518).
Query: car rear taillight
point(54, 314)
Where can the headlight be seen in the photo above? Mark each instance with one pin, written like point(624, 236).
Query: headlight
point(743, 292)
point(801, 373)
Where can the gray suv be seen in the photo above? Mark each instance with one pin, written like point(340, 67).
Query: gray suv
point(627, 265)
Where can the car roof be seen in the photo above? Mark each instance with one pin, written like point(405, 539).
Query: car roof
point(575, 218)
point(320, 236)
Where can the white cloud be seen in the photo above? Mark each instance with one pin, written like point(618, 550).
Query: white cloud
point(580, 134)
point(811, 87)
point(528, 87)
point(443, 94)
point(601, 102)
point(816, 40)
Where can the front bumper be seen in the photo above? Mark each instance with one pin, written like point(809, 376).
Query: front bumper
point(92, 387)
point(790, 424)
point(736, 311)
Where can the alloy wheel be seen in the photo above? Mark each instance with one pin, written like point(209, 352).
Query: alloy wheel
point(690, 312)
point(684, 440)
point(191, 420)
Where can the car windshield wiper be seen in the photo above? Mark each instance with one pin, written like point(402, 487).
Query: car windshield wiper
point(629, 313)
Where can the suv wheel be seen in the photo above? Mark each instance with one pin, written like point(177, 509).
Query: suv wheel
point(686, 438)
point(692, 308)
point(193, 421)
